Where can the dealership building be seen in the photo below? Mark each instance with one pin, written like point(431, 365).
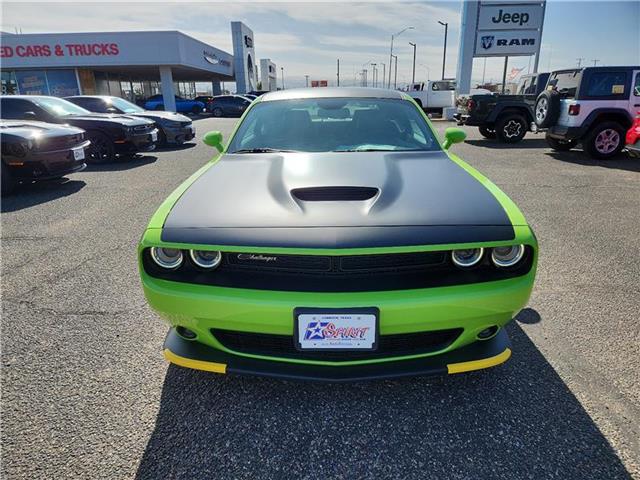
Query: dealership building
point(133, 65)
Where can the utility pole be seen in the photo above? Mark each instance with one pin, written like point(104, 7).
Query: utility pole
point(282, 71)
point(395, 77)
point(306, 80)
point(595, 62)
point(374, 75)
point(444, 53)
point(579, 61)
point(504, 74)
point(338, 72)
point(384, 73)
point(484, 69)
point(413, 75)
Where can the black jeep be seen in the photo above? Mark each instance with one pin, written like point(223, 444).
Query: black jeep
point(506, 117)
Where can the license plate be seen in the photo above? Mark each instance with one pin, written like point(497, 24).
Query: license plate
point(78, 153)
point(154, 136)
point(324, 329)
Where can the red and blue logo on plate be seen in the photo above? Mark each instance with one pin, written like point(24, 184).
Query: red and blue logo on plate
point(328, 330)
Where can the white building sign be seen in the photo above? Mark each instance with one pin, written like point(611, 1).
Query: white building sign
point(510, 17)
point(498, 43)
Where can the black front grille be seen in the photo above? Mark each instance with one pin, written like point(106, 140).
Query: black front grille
point(334, 194)
point(398, 345)
point(349, 273)
point(60, 143)
point(143, 128)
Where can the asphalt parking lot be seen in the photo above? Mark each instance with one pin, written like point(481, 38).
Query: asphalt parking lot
point(87, 394)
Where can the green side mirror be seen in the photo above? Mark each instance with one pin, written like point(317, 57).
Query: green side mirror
point(453, 135)
point(213, 139)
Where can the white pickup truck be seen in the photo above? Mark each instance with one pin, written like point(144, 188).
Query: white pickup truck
point(436, 95)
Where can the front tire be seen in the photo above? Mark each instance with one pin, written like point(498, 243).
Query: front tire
point(560, 146)
point(196, 109)
point(511, 128)
point(604, 141)
point(9, 183)
point(101, 149)
point(217, 112)
point(487, 132)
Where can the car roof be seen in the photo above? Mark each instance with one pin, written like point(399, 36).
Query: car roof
point(332, 92)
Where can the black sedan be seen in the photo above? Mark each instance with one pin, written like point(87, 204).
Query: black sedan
point(35, 151)
point(228, 105)
point(172, 127)
point(110, 134)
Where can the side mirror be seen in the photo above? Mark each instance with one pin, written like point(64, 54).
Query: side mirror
point(29, 116)
point(453, 135)
point(213, 139)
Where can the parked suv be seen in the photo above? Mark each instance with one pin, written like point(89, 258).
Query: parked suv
point(593, 106)
point(506, 117)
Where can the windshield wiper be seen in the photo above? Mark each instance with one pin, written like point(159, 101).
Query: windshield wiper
point(262, 150)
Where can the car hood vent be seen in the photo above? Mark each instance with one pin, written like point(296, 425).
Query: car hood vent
point(334, 194)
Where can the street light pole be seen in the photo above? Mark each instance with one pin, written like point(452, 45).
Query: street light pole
point(282, 71)
point(444, 54)
point(413, 74)
point(306, 80)
point(374, 75)
point(395, 77)
point(384, 73)
point(391, 51)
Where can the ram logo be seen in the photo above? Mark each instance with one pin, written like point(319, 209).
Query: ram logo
point(487, 41)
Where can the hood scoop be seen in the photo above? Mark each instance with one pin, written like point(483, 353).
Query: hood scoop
point(334, 194)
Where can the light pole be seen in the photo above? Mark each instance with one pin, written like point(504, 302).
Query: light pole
point(384, 73)
point(374, 75)
point(444, 54)
point(391, 51)
point(306, 80)
point(282, 72)
point(413, 75)
point(395, 77)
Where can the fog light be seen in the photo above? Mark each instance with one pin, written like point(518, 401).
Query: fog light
point(488, 333)
point(186, 333)
point(168, 258)
point(507, 256)
point(467, 257)
point(206, 258)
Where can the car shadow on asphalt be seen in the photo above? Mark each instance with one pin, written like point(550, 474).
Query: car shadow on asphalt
point(175, 147)
point(29, 195)
point(518, 420)
point(496, 144)
point(620, 162)
point(119, 164)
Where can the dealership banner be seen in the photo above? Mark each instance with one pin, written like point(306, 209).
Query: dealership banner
point(508, 42)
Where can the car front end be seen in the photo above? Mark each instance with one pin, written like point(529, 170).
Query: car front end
point(136, 134)
point(632, 138)
point(338, 263)
point(173, 127)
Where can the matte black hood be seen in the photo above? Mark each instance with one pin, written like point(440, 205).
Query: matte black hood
point(110, 118)
point(254, 199)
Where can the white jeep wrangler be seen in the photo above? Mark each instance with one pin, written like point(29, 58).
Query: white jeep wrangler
point(594, 106)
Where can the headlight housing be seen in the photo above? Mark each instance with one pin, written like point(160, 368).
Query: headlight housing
point(167, 258)
point(507, 256)
point(208, 259)
point(467, 257)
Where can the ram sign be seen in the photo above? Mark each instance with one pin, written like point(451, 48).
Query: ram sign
point(499, 43)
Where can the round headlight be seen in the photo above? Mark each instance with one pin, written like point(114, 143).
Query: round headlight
point(467, 257)
point(206, 258)
point(169, 258)
point(507, 256)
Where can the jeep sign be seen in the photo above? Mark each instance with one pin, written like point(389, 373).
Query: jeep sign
point(507, 42)
point(510, 17)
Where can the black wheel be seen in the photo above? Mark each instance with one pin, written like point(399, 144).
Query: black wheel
point(217, 112)
point(101, 149)
point(547, 108)
point(559, 145)
point(487, 132)
point(196, 109)
point(511, 128)
point(9, 183)
point(604, 141)
point(159, 107)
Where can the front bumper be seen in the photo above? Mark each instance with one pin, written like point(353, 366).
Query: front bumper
point(634, 150)
point(179, 134)
point(476, 356)
point(137, 142)
point(46, 165)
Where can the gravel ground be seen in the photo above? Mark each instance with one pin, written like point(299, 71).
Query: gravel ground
point(86, 393)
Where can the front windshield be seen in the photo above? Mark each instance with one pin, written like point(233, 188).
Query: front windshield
point(333, 125)
point(124, 106)
point(59, 107)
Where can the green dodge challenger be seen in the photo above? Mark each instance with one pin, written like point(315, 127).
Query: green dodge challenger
point(336, 238)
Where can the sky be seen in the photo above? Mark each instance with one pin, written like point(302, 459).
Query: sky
point(306, 38)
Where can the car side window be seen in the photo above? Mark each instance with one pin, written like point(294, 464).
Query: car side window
point(636, 87)
point(603, 84)
point(15, 108)
point(531, 89)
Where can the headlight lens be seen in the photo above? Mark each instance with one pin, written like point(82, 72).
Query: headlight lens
point(206, 258)
point(467, 257)
point(507, 256)
point(169, 258)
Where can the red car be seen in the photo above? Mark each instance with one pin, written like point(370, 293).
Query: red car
point(633, 138)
